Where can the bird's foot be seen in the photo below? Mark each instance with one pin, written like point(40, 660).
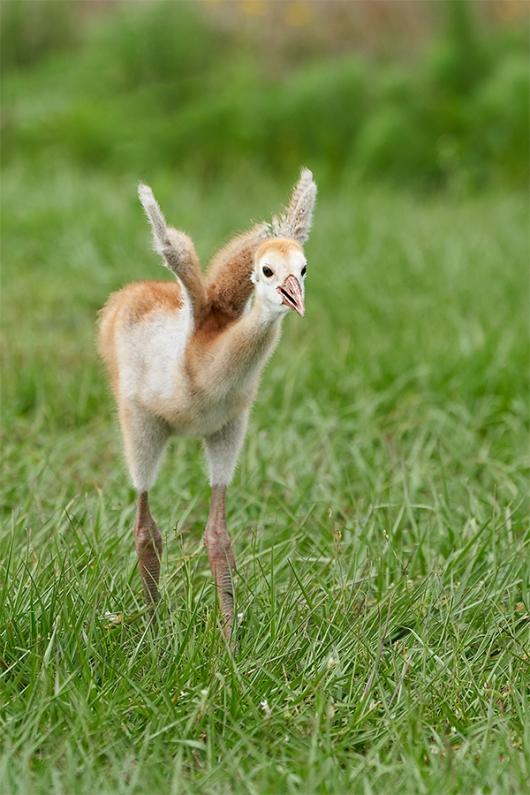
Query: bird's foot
point(148, 542)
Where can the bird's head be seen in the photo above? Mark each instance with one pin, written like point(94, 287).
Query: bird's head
point(279, 273)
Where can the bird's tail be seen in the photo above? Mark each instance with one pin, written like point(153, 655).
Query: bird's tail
point(177, 250)
point(295, 221)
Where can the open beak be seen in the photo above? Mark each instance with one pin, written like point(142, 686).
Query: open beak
point(292, 295)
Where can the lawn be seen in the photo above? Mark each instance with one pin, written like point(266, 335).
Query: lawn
point(379, 513)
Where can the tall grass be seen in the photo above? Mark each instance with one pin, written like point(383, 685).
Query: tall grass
point(379, 513)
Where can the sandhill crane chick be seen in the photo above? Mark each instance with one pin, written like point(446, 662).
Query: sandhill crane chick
point(185, 358)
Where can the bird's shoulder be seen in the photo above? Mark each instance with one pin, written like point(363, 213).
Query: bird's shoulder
point(138, 301)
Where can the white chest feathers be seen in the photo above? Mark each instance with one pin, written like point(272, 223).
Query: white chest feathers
point(151, 356)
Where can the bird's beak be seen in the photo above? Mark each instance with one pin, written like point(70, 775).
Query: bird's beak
point(292, 295)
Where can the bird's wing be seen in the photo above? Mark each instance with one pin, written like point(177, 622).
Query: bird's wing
point(228, 277)
point(295, 221)
point(177, 250)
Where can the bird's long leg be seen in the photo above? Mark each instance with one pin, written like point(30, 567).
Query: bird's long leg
point(148, 549)
point(220, 555)
point(222, 449)
point(144, 438)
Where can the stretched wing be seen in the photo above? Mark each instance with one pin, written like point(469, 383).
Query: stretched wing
point(295, 221)
point(177, 250)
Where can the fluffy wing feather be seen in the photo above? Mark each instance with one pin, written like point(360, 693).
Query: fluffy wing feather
point(295, 222)
point(177, 250)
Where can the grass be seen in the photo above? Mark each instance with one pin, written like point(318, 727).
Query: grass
point(379, 513)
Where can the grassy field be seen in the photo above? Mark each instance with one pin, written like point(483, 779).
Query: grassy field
point(379, 513)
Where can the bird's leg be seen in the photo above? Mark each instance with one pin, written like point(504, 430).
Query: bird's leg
point(220, 555)
point(148, 549)
point(222, 449)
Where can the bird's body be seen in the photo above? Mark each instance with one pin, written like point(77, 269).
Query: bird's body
point(185, 358)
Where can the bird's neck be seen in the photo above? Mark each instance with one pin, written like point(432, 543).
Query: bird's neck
point(253, 339)
point(235, 358)
point(262, 315)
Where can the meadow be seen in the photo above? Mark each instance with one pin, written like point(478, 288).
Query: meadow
point(379, 512)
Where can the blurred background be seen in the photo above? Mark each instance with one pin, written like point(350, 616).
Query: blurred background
point(427, 95)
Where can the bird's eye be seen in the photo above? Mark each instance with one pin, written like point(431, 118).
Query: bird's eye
point(304, 270)
point(267, 271)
